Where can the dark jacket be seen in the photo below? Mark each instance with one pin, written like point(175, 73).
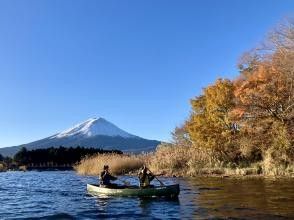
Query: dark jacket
point(105, 178)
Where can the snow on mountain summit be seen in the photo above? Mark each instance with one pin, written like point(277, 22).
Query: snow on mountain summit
point(93, 127)
point(94, 132)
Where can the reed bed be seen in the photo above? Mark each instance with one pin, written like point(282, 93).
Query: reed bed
point(169, 159)
point(2, 168)
point(172, 160)
point(119, 164)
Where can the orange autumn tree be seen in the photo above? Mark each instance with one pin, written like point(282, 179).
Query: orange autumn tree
point(251, 117)
point(265, 95)
point(210, 126)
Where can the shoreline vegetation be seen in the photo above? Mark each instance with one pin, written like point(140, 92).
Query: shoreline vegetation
point(171, 161)
point(238, 127)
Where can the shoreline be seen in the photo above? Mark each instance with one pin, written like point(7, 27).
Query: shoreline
point(235, 176)
point(134, 174)
point(174, 162)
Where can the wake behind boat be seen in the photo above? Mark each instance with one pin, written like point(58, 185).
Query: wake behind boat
point(156, 191)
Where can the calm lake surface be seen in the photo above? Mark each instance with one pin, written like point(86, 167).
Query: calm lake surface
point(62, 195)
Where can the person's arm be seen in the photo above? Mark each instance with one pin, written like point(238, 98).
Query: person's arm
point(101, 175)
point(150, 177)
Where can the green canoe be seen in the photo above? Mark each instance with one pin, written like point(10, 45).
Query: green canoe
point(166, 191)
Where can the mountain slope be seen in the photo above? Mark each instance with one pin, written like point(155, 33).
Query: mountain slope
point(92, 127)
point(94, 132)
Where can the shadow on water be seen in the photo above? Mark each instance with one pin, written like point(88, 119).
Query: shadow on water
point(59, 216)
point(137, 208)
point(148, 205)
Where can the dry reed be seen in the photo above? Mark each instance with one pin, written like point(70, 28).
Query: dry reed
point(2, 167)
point(119, 164)
point(170, 159)
point(175, 160)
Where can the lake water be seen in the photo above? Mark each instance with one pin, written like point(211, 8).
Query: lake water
point(62, 195)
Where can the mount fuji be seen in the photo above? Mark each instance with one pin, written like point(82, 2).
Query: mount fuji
point(94, 132)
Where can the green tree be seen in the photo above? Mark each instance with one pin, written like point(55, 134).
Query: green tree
point(21, 157)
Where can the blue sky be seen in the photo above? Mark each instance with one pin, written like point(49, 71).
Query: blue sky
point(135, 63)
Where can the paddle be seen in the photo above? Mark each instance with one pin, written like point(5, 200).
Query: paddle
point(161, 183)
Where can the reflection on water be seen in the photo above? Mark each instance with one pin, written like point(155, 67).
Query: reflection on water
point(62, 195)
point(244, 198)
point(134, 208)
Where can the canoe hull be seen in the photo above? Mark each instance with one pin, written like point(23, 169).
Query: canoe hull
point(158, 191)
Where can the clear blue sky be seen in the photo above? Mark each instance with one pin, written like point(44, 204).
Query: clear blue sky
point(135, 63)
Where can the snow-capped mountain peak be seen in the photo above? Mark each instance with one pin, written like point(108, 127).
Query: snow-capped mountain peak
point(93, 127)
point(94, 132)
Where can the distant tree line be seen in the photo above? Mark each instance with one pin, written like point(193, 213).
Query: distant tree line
point(5, 161)
point(56, 156)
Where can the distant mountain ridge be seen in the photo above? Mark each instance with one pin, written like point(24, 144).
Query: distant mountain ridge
point(94, 132)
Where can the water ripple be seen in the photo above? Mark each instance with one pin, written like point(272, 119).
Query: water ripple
point(62, 195)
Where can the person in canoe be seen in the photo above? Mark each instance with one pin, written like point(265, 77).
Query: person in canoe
point(145, 177)
point(106, 178)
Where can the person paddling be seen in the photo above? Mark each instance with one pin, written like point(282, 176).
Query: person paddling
point(145, 177)
point(106, 178)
